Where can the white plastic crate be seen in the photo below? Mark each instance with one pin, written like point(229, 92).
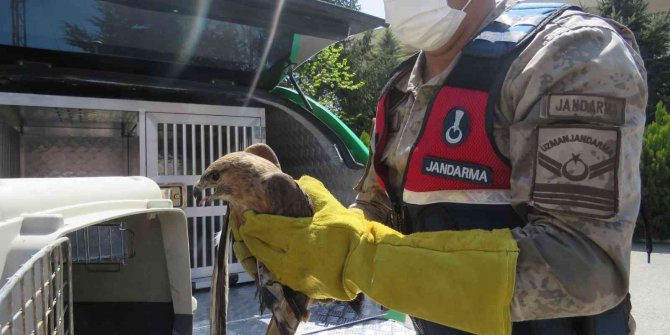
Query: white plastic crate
point(35, 300)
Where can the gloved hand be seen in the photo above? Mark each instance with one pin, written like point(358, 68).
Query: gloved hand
point(241, 250)
point(462, 279)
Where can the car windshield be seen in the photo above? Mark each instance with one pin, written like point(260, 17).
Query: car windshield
point(154, 34)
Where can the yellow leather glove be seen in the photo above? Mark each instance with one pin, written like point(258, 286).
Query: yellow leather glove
point(462, 279)
point(241, 250)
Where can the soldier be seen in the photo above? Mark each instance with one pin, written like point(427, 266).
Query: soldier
point(506, 158)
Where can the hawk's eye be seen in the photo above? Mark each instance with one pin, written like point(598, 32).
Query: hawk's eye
point(214, 176)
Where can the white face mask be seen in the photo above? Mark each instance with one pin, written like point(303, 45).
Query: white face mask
point(423, 24)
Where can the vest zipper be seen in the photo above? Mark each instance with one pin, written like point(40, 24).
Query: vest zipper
point(400, 207)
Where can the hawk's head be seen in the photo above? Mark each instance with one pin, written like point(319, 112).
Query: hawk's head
point(239, 176)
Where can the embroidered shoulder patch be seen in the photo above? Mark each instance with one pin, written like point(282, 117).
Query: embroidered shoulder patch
point(585, 107)
point(576, 170)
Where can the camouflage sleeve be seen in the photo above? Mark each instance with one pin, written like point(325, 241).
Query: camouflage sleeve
point(371, 198)
point(575, 103)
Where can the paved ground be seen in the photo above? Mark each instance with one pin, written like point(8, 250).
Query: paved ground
point(650, 290)
point(244, 317)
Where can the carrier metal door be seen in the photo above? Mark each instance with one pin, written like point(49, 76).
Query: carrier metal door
point(179, 147)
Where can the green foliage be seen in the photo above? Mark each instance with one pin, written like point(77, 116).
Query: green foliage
point(327, 73)
point(365, 138)
point(330, 71)
point(631, 13)
point(359, 68)
point(656, 172)
point(348, 77)
point(351, 4)
point(374, 55)
point(652, 31)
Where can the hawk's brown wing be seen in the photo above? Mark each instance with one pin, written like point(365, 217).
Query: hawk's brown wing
point(286, 197)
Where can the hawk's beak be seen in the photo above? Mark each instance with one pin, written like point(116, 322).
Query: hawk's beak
point(197, 194)
point(197, 191)
point(205, 192)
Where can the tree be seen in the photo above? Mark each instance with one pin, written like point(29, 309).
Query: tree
point(327, 73)
point(348, 77)
point(351, 4)
point(656, 172)
point(373, 62)
point(652, 32)
point(358, 72)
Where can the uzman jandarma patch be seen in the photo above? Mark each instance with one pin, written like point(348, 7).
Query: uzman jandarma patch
point(576, 170)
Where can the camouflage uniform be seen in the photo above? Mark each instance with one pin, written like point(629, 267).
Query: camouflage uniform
point(570, 120)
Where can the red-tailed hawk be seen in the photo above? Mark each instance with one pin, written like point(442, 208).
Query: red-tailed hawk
point(253, 180)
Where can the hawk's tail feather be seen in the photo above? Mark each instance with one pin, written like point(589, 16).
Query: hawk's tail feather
point(266, 297)
point(298, 302)
point(275, 328)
